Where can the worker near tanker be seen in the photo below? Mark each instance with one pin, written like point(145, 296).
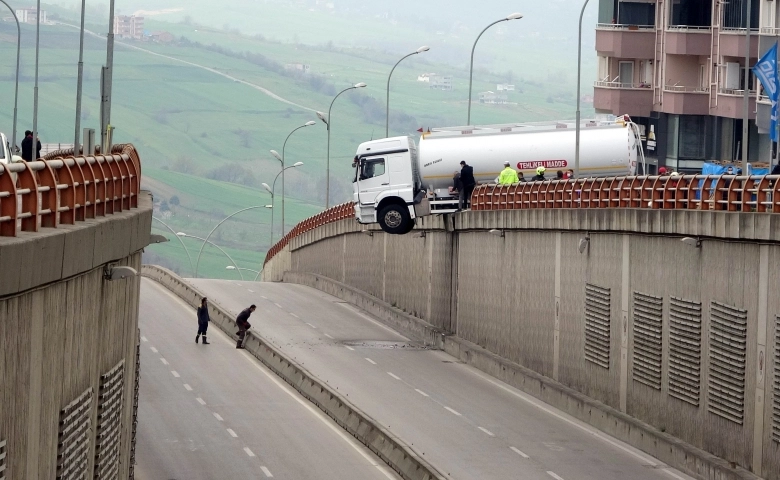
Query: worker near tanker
point(539, 177)
point(508, 175)
point(469, 182)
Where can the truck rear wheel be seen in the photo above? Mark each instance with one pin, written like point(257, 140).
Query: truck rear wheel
point(395, 219)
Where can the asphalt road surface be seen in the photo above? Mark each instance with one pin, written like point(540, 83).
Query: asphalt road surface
point(466, 423)
point(211, 412)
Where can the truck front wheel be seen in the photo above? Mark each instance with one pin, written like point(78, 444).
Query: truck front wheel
point(395, 219)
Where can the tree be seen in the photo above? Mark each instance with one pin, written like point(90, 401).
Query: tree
point(174, 202)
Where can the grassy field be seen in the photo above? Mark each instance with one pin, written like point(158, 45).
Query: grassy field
point(191, 125)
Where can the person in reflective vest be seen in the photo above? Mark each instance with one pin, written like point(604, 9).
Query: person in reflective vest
point(508, 175)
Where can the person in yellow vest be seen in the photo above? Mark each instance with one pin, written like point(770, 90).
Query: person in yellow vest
point(508, 175)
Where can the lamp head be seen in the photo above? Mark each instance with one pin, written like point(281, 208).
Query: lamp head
point(584, 244)
point(276, 154)
point(298, 164)
point(230, 267)
point(360, 85)
point(265, 185)
point(154, 238)
point(691, 242)
point(181, 234)
point(423, 49)
point(309, 123)
point(323, 117)
point(515, 16)
point(268, 206)
point(496, 232)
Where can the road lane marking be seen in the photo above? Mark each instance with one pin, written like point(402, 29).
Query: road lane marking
point(266, 472)
point(487, 432)
point(187, 387)
point(201, 401)
point(175, 373)
point(309, 324)
point(218, 416)
point(349, 348)
point(421, 392)
point(296, 316)
point(164, 361)
point(519, 452)
point(278, 305)
point(552, 474)
point(232, 433)
point(453, 411)
point(329, 336)
point(370, 361)
point(143, 339)
point(249, 452)
point(154, 350)
point(239, 285)
point(251, 291)
point(394, 375)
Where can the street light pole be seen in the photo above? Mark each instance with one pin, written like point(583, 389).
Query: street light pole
point(233, 267)
point(276, 154)
point(192, 269)
point(746, 95)
point(387, 121)
point(182, 234)
point(327, 122)
point(18, 55)
point(514, 16)
point(579, 79)
point(108, 76)
point(271, 190)
point(34, 148)
point(79, 86)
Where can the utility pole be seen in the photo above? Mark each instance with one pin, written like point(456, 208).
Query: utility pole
point(746, 99)
point(79, 86)
point(107, 79)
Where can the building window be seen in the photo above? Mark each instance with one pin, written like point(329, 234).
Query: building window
point(692, 137)
point(626, 74)
point(735, 14)
point(636, 13)
point(691, 13)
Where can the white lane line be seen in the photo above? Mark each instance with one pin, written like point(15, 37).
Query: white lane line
point(201, 401)
point(360, 448)
point(349, 348)
point(329, 336)
point(296, 316)
point(263, 296)
point(421, 392)
point(218, 416)
point(278, 305)
point(239, 284)
point(552, 474)
point(143, 339)
point(251, 291)
point(309, 324)
point(453, 411)
point(187, 387)
point(249, 452)
point(175, 373)
point(394, 375)
point(519, 452)
point(164, 361)
point(266, 472)
point(370, 361)
point(154, 350)
point(232, 433)
point(487, 432)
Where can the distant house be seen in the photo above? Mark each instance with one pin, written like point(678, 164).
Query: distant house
point(162, 37)
point(505, 87)
point(425, 77)
point(297, 67)
point(129, 26)
point(30, 14)
point(440, 82)
point(492, 98)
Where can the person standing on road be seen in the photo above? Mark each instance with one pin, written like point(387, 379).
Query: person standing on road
point(242, 320)
point(467, 177)
point(27, 147)
point(203, 321)
point(508, 175)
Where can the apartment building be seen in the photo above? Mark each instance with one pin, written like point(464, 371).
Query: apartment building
point(129, 26)
point(677, 67)
point(30, 14)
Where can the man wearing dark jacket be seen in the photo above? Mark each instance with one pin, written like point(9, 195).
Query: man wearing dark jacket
point(467, 177)
point(203, 321)
point(242, 320)
point(27, 144)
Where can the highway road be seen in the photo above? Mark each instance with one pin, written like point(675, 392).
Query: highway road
point(466, 423)
point(211, 412)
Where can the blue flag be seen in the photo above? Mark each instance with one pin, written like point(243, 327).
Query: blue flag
point(766, 71)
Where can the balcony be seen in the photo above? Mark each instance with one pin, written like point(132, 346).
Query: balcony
point(681, 100)
point(732, 42)
point(731, 102)
point(623, 98)
point(625, 41)
point(686, 40)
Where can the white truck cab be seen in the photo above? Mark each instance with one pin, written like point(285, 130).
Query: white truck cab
point(387, 187)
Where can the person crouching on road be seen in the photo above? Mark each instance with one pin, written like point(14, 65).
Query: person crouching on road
point(242, 320)
point(508, 175)
point(203, 320)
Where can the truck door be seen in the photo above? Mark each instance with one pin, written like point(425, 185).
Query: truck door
point(373, 179)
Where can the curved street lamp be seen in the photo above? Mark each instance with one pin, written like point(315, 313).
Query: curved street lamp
point(179, 239)
point(326, 119)
point(579, 77)
point(184, 235)
point(514, 16)
point(18, 54)
point(197, 262)
point(281, 159)
point(387, 121)
point(271, 190)
point(232, 267)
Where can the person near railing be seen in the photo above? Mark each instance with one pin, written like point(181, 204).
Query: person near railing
point(539, 177)
point(469, 182)
point(27, 147)
point(508, 176)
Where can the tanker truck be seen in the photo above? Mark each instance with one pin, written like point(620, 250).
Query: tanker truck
point(397, 181)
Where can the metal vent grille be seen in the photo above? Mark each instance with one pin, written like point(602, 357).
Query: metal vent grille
point(597, 325)
point(684, 350)
point(648, 340)
point(136, 391)
point(776, 385)
point(73, 438)
point(109, 423)
point(728, 339)
point(3, 454)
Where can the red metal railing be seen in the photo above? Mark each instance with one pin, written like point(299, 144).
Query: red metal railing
point(61, 189)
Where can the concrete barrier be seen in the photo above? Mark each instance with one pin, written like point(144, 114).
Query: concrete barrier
point(391, 449)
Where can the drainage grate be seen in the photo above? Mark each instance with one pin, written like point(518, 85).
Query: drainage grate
point(648, 340)
point(136, 391)
point(3, 454)
point(597, 324)
point(109, 422)
point(776, 385)
point(728, 339)
point(73, 438)
point(685, 350)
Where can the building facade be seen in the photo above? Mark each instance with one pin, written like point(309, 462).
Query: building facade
point(30, 14)
point(677, 67)
point(129, 26)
